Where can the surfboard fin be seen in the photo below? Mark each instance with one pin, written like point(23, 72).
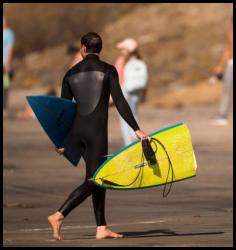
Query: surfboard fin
point(104, 181)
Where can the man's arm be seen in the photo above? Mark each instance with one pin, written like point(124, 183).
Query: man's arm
point(65, 93)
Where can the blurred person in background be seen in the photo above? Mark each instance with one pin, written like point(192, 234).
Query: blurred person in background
point(8, 44)
point(75, 52)
point(224, 71)
point(76, 58)
point(133, 76)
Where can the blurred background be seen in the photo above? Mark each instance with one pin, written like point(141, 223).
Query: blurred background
point(181, 45)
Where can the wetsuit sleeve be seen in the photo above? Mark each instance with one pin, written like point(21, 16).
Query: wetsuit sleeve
point(66, 90)
point(120, 101)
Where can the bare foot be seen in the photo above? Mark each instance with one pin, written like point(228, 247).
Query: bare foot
point(56, 220)
point(103, 232)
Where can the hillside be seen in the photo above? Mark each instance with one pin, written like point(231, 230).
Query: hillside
point(41, 25)
point(180, 43)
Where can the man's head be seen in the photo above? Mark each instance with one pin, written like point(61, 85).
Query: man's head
point(91, 43)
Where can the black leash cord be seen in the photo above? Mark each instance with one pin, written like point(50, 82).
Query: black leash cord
point(170, 167)
point(165, 194)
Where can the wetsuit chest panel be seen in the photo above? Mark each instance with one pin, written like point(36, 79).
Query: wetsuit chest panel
point(87, 89)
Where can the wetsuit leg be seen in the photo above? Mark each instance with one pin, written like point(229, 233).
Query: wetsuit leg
point(76, 197)
point(97, 149)
point(99, 195)
point(93, 156)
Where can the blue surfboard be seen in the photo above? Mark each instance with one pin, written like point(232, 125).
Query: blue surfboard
point(56, 116)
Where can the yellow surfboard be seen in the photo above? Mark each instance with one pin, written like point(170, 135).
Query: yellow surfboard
point(129, 169)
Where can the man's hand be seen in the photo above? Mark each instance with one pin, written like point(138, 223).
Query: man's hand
point(60, 150)
point(141, 135)
point(111, 102)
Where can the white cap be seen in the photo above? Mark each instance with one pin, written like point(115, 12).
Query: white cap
point(129, 44)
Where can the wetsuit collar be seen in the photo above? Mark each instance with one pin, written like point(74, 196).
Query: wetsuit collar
point(92, 56)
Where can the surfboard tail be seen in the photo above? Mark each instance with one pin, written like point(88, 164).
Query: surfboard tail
point(56, 116)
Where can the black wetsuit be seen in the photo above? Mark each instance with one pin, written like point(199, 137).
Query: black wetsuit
point(90, 83)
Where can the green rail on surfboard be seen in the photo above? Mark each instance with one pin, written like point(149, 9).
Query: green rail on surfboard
point(128, 168)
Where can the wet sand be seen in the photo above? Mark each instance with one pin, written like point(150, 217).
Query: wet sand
point(198, 212)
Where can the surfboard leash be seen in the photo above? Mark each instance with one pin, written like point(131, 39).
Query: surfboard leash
point(164, 194)
point(124, 185)
point(149, 154)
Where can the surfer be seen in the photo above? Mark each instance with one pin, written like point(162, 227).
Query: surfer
point(90, 83)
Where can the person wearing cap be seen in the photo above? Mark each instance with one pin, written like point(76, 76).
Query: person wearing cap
point(133, 76)
point(8, 43)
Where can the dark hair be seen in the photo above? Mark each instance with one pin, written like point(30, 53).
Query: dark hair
point(93, 42)
point(72, 49)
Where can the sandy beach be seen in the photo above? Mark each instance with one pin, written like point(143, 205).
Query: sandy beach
point(198, 212)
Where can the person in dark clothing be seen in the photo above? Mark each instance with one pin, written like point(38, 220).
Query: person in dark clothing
point(75, 52)
point(90, 83)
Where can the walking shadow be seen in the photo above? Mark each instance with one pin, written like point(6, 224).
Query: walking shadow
point(149, 233)
point(163, 233)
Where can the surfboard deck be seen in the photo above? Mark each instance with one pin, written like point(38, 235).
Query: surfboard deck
point(127, 169)
point(56, 116)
